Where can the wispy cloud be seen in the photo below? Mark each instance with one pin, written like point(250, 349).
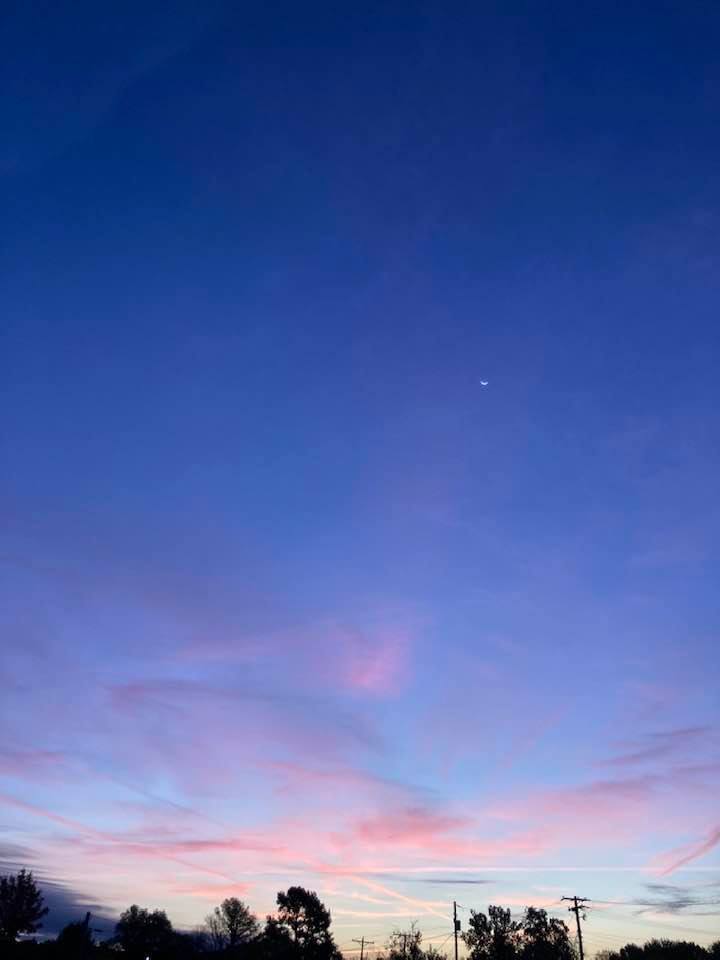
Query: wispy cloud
point(374, 660)
point(213, 892)
point(703, 900)
point(670, 862)
point(448, 881)
point(377, 664)
point(297, 777)
point(411, 826)
point(663, 745)
point(40, 765)
point(64, 903)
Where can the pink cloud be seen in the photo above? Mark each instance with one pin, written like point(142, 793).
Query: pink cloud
point(213, 891)
point(409, 827)
point(434, 836)
point(681, 856)
point(529, 899)
point(632, 808)
point(600, 798)
point(661, 745)
point(37, 811)
point(653, 700)
point(427, 906)
point(529, 741)
point(228, 844)
point(101, 842)
point(294, 777)
point(377, 664)
point(371, 660)
point(614, 807)
point(32, 764)
point(180, 727)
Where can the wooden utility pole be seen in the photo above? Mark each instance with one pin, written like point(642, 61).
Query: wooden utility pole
point(577, 908)
point(362, 941)
point(456, 927)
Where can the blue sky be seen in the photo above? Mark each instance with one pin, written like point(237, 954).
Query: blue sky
point(288, 595)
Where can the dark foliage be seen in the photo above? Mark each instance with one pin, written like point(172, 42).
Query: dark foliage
point(230, 925)
point(407, 945)
point(76, 940)
point(495, 936)
point(303, 923)
point(142, 933)
point(665, 950)
point(544, 938)
point(299, 931)
point(21, 906)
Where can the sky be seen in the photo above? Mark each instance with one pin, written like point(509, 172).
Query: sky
point(289, 596)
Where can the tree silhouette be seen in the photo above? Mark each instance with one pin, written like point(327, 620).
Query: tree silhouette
point(432, 953)
point(304, 921)
point(142, 933)
point(186, 946)
point(631, 951)
point(492, 937)
point(214, 931)
point(275, 942)
point(300, 930)
point(21, 906)
point(231, 924)
point(405, 944)
point(673, 950)
point(545, 938)
point(76, 940)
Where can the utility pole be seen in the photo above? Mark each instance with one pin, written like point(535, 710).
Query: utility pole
point(456, 927)
point(577, 908)
point(362, 941)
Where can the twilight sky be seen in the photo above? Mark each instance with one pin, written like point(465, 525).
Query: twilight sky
point(287, 596)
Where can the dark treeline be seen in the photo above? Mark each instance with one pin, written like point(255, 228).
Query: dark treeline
point(299, 930)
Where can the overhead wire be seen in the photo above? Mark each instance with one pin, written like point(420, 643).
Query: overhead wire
point(651, 903)
point(649, 921)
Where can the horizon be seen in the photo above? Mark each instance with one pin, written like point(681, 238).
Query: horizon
point(61, 912)
point(360, 460)
point(63, 909)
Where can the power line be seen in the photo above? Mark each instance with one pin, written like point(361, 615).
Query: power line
point(362, 941)
point(604, 935)
point(650, 903)
point(440, 946)
point(651, 922)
